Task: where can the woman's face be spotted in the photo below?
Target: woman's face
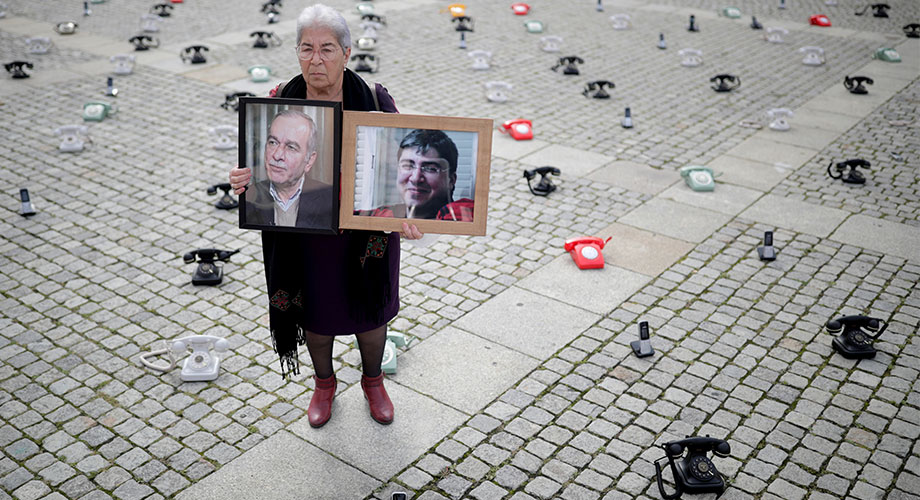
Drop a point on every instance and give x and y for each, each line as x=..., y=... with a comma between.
x=322, y=60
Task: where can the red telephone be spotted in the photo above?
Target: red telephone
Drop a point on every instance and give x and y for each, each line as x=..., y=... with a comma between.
x=520, y=8
x=520, y=129
x=820, y=20
x=586, y=251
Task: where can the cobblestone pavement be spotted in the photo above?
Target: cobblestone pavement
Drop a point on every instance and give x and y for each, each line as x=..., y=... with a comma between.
x=96, y=277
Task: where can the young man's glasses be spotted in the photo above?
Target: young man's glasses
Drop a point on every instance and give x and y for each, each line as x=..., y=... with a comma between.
x=426, y=168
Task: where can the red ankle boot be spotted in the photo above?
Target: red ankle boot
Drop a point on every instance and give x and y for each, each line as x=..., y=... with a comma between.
x=377, y=399
x=321, y=403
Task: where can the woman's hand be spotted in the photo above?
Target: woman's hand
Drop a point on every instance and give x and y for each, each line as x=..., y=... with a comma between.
x=239, y=178
x=411, y=232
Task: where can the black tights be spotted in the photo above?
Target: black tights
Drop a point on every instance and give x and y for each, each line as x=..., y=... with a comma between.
x=370, y=343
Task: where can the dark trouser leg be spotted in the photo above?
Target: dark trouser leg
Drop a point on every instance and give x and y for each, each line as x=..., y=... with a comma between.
x=320, y=347
x=371, y=344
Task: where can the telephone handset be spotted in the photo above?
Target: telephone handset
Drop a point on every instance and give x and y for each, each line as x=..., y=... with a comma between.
x=464, y=23
x=208, y=273
x=698, y=178
x=231, y=101
x=597, y=87
x=497, y=91
x=144, y=42
x=194, y=54
x=26, y=208
x=520, y=8
x=854, y=335
x=374, y=18
x=39, y=44
x=571, y=64
x=97, y=111
x=586, y=251
x=264, y=39
x=820, y=20
x=846, y=171
x=364, y=61
x=695, y=472
x=17, y=69
x=519, y=129
x=226, y=202
x=457, y=9
x=72, y=137
x=730, y=12
x=201, y=365
x=912, y=30
x=879, y=10
x=690, y=57
x=260, y=73
x=725, y=82
x=620, y=21
x=814, y=56
x=550, y=43
x=225, y=136
x=778, y=118
x=545, y=186
x=162, y=9
x=775, y=34
x=855, y=84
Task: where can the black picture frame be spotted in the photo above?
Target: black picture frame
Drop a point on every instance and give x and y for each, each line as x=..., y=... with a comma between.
x=318, y=204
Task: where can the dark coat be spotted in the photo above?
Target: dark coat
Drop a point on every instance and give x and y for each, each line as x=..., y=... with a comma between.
x=315, y=205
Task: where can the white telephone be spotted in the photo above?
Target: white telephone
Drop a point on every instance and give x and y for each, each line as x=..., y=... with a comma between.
x=497, y=91
x=620, y=21
x=480, y=58
x=550, y=43
x=778, y=118
x=260, y=73
x=690, y=57
x=124, y=63
x=225, y=136
x=370, y=29
x=775, y=34
x=72, y=137
x=814, y=56
x=150, y=23
x=201, y=365
x=366, y=43
x=39, y=44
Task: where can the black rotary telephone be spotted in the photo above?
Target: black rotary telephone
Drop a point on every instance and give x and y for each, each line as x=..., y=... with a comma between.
x=144, y=42
x=597, y=87
x=855, y=84
x=854, y=335
x=846, y=170
x=464, y=23
x=571, y=64
x=545, y=186
x=194, y=54
x=912, y=30
x=364, y=60
x=374, y=18
x=265, y=38
x=208, y=273
x=878, y=10
x=162, y=9
x=693, y=472
x=725, y=82
x=232, y=101
x=17, y=69
x=226, y=202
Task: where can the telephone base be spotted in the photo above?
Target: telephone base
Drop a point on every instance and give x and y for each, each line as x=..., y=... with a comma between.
x=226, y=202
x=66, y=147
x=207, y=274
x=642, y=348
x=570, y=71
x=209, y=372
x=852, y=352
x=766, y=253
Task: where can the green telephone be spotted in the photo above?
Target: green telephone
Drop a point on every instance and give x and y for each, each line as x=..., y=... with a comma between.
x=365, y=8
x=731, y=12
x=97, y=111
x=260, y=73
x=394, y=340
x=534, y=26
x=698, y=178
x=887, y=54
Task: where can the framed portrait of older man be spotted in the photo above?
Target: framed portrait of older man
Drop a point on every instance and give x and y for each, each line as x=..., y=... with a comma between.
x=431, y=171
x=293, y=147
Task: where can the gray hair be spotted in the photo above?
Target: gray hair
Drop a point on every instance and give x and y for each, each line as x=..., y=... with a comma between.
x=323, y=16
x=293, y=113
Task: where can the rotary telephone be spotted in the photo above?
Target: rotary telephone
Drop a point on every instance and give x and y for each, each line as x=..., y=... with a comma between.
x=725, y=82
x=226, y=202
x=879, y=10
x=366, y=43
x=208, y=273
x=464, y=23
x=690, y=57
x=72, y=137
x=855, y=84
x=571, y=64
x=519, y=129
x=124, y=64
x=597, y=87
x=778, y=118
x=534, y=26
x=38, y=44
x=231, y=101
x=456, y=9
x=846, y=171
x=912, y=30
x=819, y=20
x=17, y=69
x=370, y=29
x=374, y=18
x=272, y=14
x=545, y=186
x=886, y=54
x=480, y=58
x=225, y=136
x=264, y=39
x=260, y=73
x=497, y=91
x=162, y=9
x=775, y=34
x=201, y=365
x=586, y=251
x=520, y=9
x=95, y=111
x=698, y=178
x=150, y=23
x=814, y=56
x=695, y=472
x=193, y=54
x=854, y=335
x=26, y=209
x=364, y=61
x=144, y=42
x=66, y=28
x=620, y=21
x=550, y=43
x=730, y=12
x=365, y=8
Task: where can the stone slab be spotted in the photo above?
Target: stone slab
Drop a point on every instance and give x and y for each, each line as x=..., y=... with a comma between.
x=572, y=161
x=528, y=322
x=597, y=290
x=218, y=74
x=808, y=118
x=283, y=466
x=381, y=450
x=641, y=251
x=677, y=220
x=634, y=176
x=462, y=370
x=503, y=146
x=795, y=215
x=848, y=105
x=728, y=199
x=890, y=238
x=804, y=136
x=749, y=173
x=764, y=150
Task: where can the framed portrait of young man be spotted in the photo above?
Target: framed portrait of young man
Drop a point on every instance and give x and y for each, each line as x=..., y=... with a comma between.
x=293, y=147
x=431, y=171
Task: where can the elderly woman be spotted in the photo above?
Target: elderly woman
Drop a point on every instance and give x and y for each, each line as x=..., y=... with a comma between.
x=320, y=286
